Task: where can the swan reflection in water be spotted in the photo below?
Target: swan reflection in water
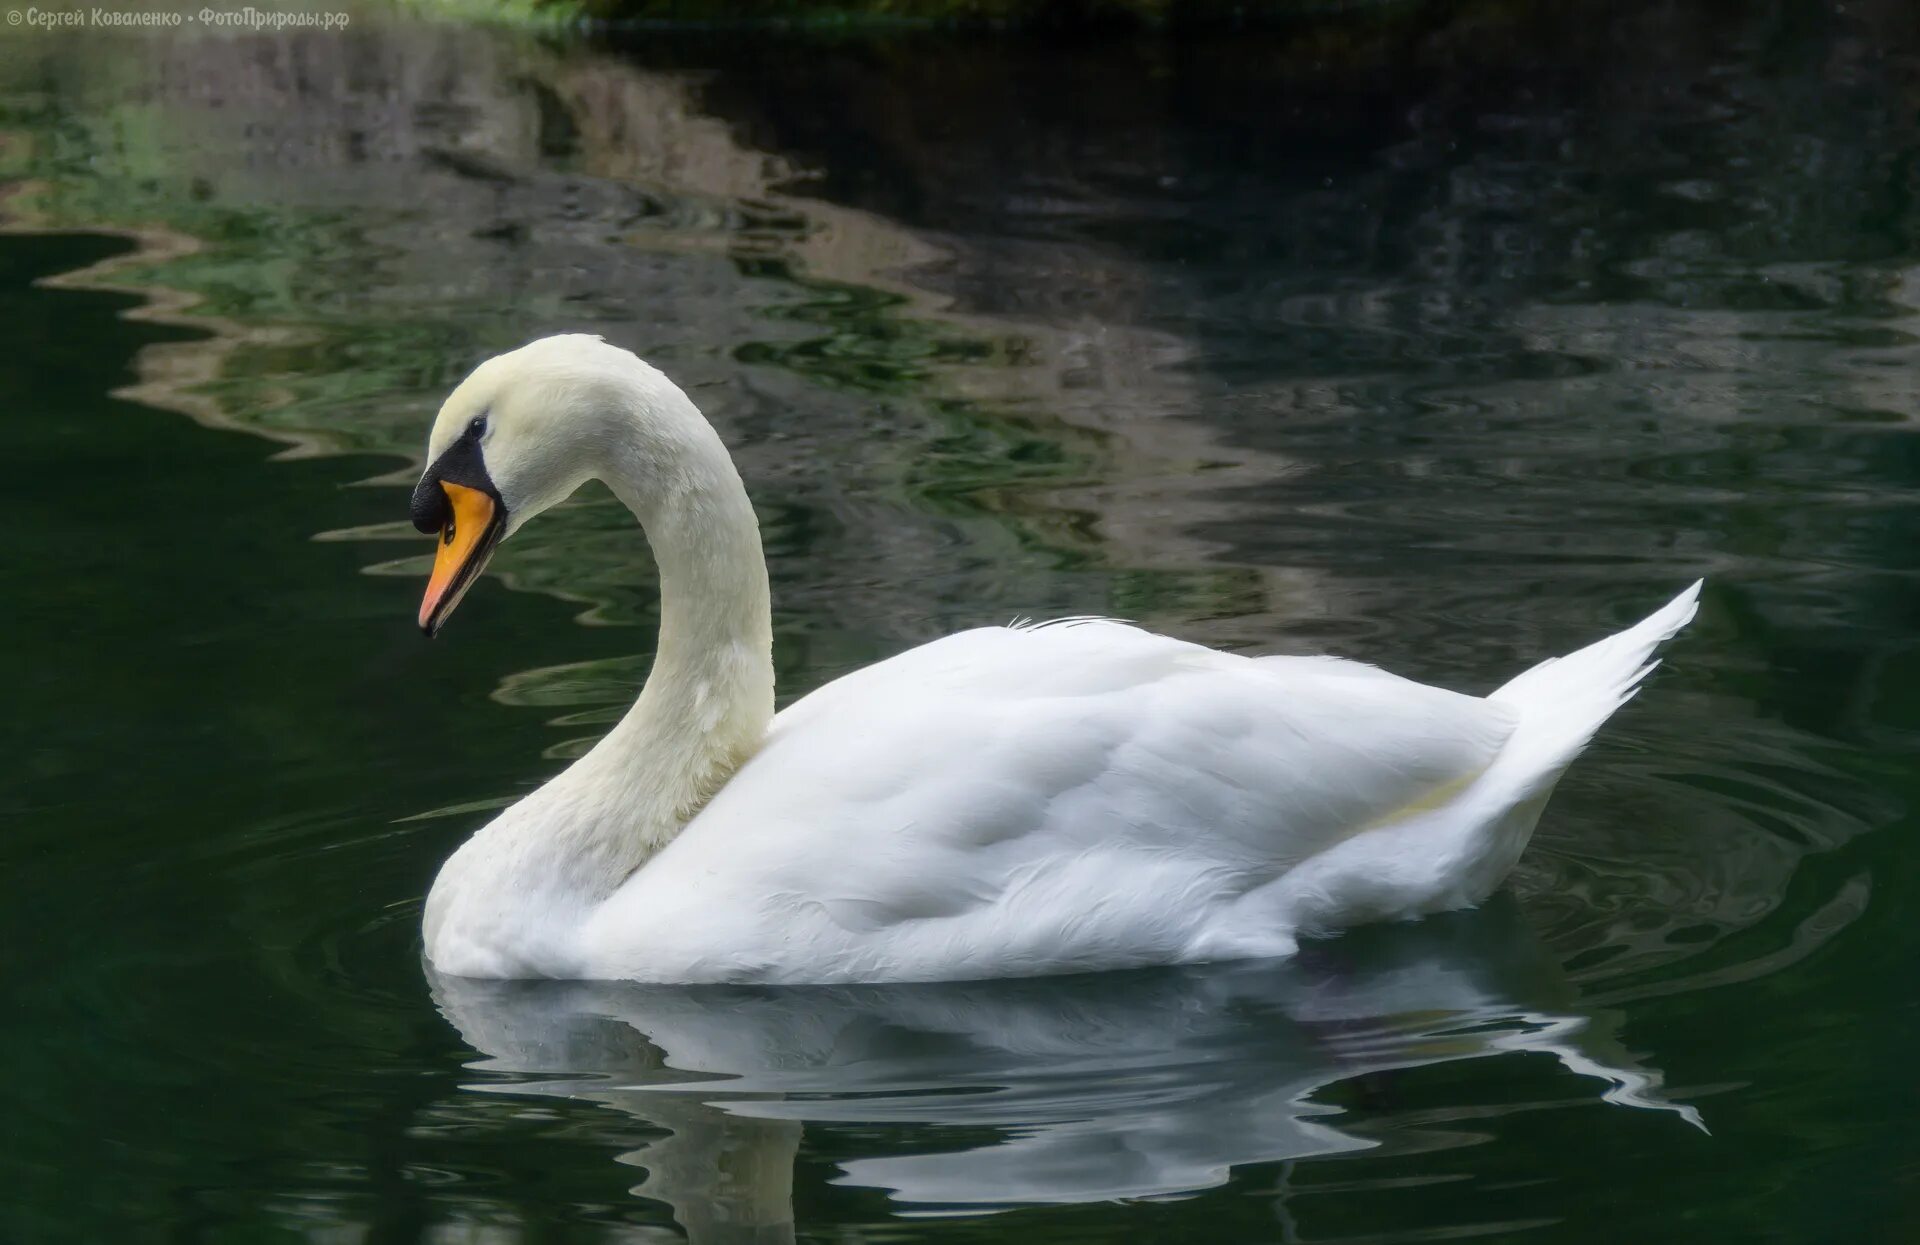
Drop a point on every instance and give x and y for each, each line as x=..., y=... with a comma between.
x=1134, y=1084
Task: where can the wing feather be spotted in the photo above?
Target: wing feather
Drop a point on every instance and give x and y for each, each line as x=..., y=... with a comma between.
x=1049, y=791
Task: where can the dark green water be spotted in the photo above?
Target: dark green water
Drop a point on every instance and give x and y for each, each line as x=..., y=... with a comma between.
x=1446, y=339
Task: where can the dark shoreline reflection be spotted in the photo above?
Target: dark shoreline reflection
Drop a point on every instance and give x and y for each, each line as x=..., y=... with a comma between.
x=1081, y=1089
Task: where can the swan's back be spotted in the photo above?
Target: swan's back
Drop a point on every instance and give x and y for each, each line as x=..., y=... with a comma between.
x=1037, y=799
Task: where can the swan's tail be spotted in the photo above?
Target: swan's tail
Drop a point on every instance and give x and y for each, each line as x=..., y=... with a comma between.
x=1563, y=700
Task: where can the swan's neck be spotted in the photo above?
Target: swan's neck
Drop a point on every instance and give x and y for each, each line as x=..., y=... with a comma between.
x=709, y=698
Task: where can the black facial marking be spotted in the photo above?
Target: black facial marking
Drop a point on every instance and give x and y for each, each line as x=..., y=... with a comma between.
x=431, y=510
x=461, y=464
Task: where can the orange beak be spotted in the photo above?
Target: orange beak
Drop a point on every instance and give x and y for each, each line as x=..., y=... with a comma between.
x=473, y=527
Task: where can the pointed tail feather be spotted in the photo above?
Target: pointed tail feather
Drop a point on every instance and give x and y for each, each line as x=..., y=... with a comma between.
x=1563, y=700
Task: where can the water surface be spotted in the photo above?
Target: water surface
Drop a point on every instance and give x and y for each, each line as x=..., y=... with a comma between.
x=1446, y=343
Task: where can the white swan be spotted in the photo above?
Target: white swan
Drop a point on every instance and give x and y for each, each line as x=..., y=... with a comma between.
x=1008, y=801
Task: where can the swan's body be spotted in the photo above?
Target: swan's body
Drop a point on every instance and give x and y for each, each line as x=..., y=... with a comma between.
x=1003, y=802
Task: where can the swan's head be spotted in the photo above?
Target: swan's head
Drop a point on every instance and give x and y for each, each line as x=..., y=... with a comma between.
x=519, y=434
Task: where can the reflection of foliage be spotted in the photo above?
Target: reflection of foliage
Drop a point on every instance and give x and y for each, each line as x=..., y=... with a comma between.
x=359, y=310
x=872, y=345
x=970, y=458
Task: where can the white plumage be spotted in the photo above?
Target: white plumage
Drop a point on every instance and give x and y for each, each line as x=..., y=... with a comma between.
x=1006, y=801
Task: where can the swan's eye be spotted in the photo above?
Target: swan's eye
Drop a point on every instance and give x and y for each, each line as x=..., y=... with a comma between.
x=478, y=428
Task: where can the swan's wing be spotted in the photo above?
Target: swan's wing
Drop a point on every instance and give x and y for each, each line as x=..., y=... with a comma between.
x=1030, y=799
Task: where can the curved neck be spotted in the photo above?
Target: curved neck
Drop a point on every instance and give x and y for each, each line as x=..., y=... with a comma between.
x=709, y=697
